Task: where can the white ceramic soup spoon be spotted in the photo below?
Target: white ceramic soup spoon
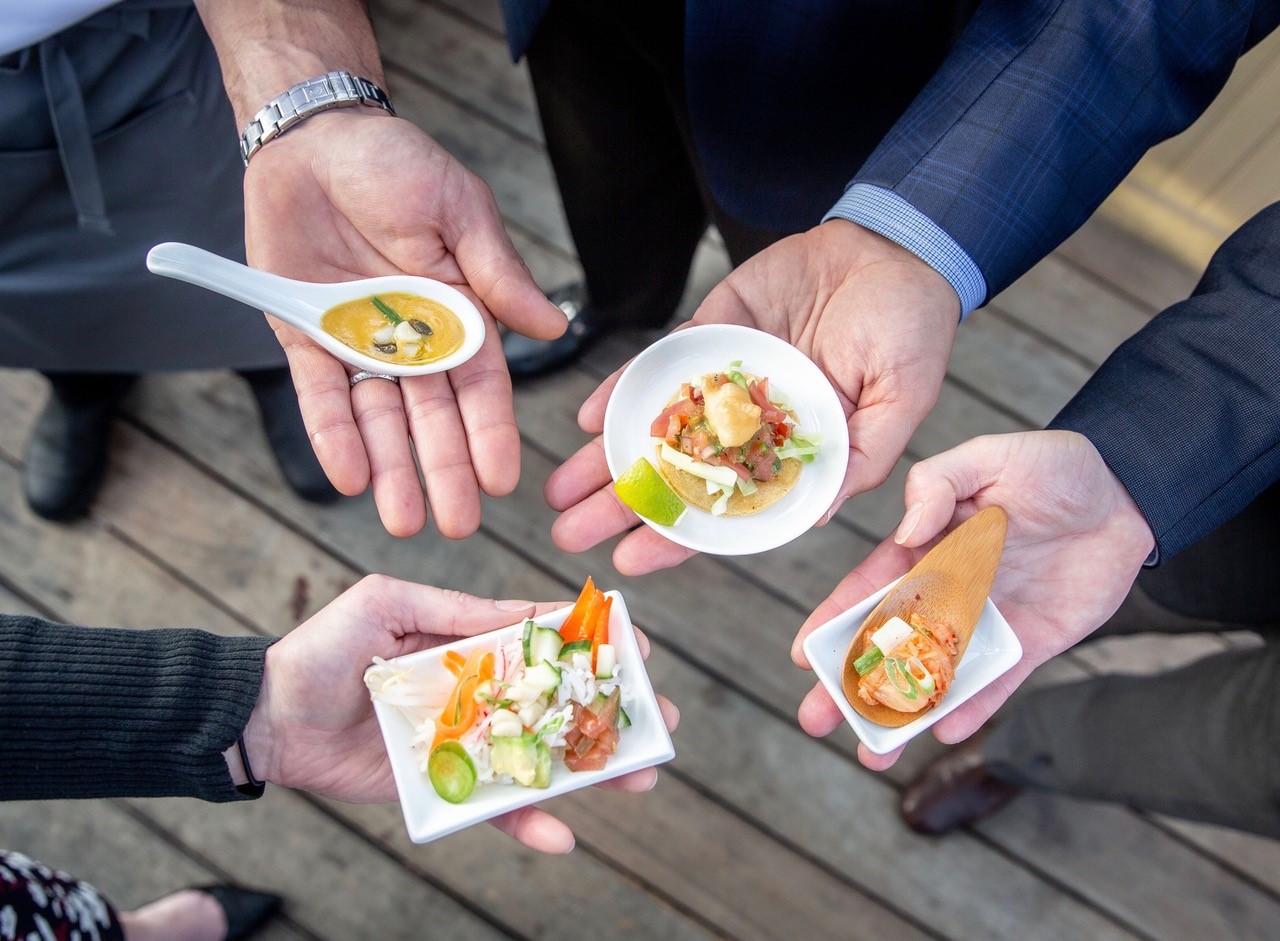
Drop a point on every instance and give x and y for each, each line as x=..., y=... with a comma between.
x=302, y=303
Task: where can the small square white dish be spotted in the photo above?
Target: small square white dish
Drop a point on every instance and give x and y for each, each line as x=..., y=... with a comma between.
x=428, y=817
x=993, y=650
x=653, y=377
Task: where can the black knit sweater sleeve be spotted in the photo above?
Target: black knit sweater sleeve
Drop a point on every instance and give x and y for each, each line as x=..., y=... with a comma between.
x=104, y=712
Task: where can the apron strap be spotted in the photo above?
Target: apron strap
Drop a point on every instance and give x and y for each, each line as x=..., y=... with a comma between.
x=75, y=143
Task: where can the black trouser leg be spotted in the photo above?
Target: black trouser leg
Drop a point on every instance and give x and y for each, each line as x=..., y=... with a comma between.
x=629, y=190
x=1201, y=742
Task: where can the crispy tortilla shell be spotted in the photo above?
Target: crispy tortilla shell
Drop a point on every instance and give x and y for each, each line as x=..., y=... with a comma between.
x=693, y=490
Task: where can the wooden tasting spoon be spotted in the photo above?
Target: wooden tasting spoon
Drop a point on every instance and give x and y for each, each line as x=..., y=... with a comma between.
x=950, y=584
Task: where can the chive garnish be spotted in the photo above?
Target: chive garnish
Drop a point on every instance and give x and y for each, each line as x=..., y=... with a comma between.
x=386, y=311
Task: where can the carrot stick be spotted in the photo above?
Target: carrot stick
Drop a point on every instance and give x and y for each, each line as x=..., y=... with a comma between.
x=600, y=634
x=572, y=627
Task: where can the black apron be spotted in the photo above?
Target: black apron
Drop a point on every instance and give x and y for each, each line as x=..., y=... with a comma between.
x=116, y=134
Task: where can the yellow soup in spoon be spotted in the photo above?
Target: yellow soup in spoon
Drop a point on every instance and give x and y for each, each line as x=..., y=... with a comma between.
x=396, y=328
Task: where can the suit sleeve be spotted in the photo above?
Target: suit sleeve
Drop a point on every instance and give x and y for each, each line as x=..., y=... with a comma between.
x=103, y=712
x=1187, y=411
x=1037, y=115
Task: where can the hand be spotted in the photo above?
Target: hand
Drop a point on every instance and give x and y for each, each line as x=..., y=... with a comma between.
x=1076, y=543
x=356, y=193
x=314, y=728
x=877, y=320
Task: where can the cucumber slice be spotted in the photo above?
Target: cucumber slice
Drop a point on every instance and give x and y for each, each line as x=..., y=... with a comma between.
x=624, y=720
x=544, y=677
x=574, y=646
x=527, y=642
x=606, y=662
x=451, y=772
x=543, y=646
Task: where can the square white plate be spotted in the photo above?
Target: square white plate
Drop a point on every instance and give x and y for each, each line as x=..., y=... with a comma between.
x=428, y=817
x=655, y=376
x=993, y=650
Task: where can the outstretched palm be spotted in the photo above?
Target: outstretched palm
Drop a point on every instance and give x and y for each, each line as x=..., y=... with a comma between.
x=357, y=194
x=1076, y=543
x=878, y=322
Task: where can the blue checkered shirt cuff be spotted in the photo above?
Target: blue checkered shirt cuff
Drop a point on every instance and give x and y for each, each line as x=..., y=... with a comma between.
x=884, y=211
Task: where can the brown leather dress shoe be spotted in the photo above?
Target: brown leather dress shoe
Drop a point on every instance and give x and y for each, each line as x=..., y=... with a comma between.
x=955, y=790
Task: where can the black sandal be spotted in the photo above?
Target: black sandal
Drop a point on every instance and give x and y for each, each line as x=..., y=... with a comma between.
x=246, y=909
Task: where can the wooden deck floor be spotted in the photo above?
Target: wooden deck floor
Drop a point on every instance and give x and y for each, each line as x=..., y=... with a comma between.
x=755, y=831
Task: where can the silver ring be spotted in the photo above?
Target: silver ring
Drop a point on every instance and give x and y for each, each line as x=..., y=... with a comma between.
x=364, y=374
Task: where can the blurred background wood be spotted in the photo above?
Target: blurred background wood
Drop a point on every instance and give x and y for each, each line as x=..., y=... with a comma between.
x=1193, y=191
x=755, y=831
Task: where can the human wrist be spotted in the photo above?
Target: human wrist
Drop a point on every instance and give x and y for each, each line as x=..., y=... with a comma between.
x=265, y=48
x=1128, y=528
x=883, y=211
x=928, y=296
x=257, y=739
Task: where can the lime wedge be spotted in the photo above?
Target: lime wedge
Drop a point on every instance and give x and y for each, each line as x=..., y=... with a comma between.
x=642, y=488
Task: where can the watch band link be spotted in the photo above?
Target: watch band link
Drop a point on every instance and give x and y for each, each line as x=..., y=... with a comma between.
x=331, y=90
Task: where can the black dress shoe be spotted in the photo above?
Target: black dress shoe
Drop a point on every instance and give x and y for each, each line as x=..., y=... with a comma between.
x=282, y=421
x=527, y=358
x=66, y=456
x=955, y=790
x=246, y=910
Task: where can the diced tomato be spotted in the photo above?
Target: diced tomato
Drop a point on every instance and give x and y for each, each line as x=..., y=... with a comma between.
x=608, y=742
x=760, y=395
x=781, y=432
x=593, y=760
x=583, y=746
x=594, y=724
x=676, y=415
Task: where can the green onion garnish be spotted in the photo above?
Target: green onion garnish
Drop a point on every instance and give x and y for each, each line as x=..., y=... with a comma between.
x=386, y=311
x=901, y=679
x=867, y=662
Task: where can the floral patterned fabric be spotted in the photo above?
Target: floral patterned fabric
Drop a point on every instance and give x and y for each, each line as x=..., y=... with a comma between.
x=41, y=904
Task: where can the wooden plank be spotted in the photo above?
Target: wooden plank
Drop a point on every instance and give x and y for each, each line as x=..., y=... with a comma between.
x=11, y=603
x=1149, y=277
x=1073, y=309
x=1015, y=368
x=460, y=59
x=102, y=844
x=57, y=564
x=255, y=598
x=339, y=887
x=814, y=569
x=485, y=12
x=532, y=534
x=569, y=897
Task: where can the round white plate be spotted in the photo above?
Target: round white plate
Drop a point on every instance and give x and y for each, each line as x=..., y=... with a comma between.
x=656, y=375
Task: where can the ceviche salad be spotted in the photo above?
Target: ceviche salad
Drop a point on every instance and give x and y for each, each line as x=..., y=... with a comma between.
x=516, y=709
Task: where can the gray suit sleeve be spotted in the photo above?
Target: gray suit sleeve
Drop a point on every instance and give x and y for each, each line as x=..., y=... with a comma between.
x=1187, y=411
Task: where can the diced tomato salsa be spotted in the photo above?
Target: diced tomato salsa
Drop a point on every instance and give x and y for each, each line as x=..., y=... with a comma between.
x=684, y=426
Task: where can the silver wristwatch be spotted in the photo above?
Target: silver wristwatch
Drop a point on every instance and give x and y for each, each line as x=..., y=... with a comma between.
x=332, y=90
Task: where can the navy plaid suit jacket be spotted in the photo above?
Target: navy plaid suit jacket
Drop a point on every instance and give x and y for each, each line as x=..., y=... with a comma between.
x=1039, y=111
